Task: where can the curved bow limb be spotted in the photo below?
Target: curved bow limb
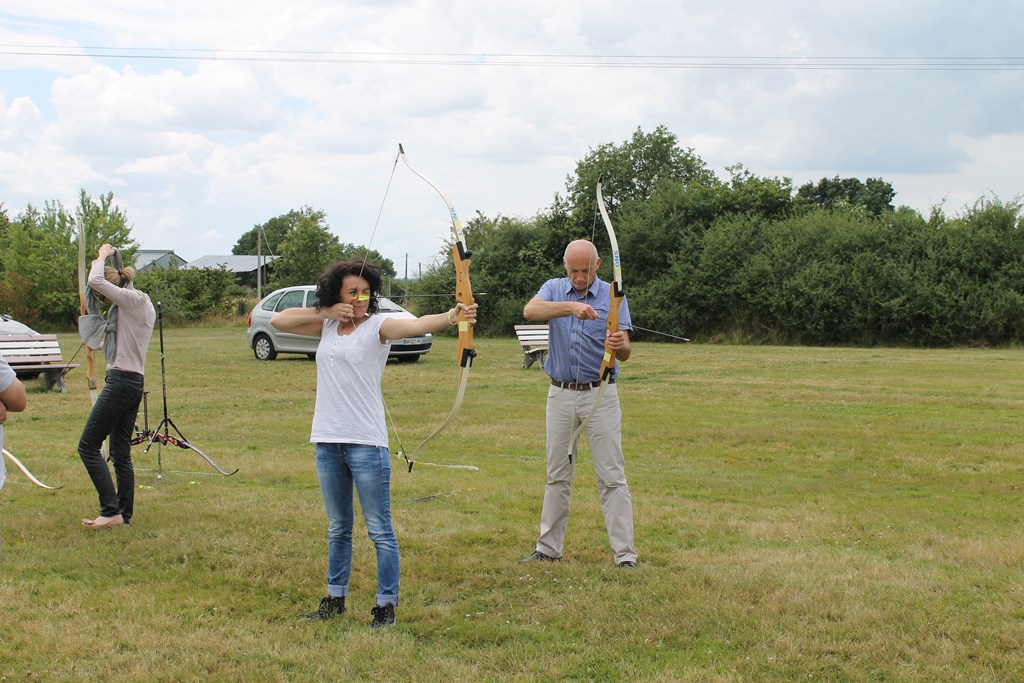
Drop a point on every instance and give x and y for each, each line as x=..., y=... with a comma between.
x=471, y=468
x=616, y=293
x=167, y=439
x=28, y=474
x=90, y=364
x=465, y=350
x=463, y=380
x=204, y=456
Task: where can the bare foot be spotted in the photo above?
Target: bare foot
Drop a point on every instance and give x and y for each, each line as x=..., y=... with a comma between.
x=103, y=522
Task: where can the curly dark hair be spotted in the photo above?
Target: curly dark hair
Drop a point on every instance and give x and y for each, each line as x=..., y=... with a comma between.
x=328, y=289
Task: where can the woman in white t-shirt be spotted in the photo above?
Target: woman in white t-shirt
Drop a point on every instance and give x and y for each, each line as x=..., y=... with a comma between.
x=349, y=428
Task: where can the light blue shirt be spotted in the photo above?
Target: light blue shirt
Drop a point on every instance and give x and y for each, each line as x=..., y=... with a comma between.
x=7, y=378
x=576, y=347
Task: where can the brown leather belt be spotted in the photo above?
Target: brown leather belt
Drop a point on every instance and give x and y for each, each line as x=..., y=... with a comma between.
x=573, y=386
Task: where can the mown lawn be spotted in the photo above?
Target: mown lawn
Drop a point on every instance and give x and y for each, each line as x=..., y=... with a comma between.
x=801, y=514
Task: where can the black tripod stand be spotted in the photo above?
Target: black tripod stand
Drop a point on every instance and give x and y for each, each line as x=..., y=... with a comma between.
x=166, y=438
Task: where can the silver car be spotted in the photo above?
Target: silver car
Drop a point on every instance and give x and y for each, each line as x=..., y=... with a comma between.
x=266, y=341
x=9, y=325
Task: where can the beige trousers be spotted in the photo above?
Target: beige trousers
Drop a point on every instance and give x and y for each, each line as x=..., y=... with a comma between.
x=565, y=410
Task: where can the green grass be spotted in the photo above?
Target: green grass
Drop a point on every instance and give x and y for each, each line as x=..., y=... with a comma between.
x=801, y=514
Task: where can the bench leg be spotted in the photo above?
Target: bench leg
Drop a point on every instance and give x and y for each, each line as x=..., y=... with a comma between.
x=531, y=357
x=54, y=379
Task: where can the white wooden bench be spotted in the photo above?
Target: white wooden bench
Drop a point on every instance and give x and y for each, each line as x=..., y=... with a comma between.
x=32, y=355
x=534, y=340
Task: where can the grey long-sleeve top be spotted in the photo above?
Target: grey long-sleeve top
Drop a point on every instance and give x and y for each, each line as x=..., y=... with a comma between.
x=135, y=319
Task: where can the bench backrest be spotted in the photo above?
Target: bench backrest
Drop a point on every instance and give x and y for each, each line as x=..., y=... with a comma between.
x=532, y=335
x=20, y=349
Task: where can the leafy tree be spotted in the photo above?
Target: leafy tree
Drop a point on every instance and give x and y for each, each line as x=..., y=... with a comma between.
x=191, y=293
x=875, y=195
x=360, y=253
x=747, y=193
x=5, y=228
x=306, y=245
x=42, y=247
x=275, y=230
x=305, y=251
x=14, y=295
x=633, y=170
x=510, y=261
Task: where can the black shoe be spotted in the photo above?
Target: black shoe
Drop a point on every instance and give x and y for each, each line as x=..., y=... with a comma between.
x=329, y=607
x=627, y=564
x=383, y=616
x=538, y=556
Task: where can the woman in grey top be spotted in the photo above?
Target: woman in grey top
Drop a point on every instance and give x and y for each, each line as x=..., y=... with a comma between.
x=115, y=410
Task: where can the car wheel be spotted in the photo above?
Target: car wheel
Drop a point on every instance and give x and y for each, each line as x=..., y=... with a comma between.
x=263, y=348
x=408, y=359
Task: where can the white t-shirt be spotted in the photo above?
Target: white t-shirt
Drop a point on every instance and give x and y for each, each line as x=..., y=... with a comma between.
x=349, y=404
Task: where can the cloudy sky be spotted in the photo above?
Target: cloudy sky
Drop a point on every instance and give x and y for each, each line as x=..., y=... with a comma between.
x=207, y=117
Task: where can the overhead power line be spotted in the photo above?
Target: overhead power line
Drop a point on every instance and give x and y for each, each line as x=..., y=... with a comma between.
x=834, y=63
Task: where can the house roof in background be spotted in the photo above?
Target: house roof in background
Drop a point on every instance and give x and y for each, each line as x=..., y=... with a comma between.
x=242, y=263
x=145, y=257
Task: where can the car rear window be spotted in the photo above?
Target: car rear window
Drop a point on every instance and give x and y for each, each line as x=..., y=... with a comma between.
x=292, y=299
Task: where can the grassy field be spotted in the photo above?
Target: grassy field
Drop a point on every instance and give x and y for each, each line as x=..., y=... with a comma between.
x=801, y=514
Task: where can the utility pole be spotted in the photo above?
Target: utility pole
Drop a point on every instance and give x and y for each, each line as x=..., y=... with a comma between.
x=259, y=266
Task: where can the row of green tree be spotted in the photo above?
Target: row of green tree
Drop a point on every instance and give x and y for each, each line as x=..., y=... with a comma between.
x=752, y=259
x=746, y=258
x=39, y=265
x=304, y=244
x=39, y=261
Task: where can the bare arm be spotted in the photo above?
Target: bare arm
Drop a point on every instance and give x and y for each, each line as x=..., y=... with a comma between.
x=12, y=399
x=394, y=328
x=99, y=284
x=541, y=309
x=309, y=321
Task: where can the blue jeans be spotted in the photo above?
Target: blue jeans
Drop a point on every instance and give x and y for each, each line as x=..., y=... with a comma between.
x=339, y=466
x=114, y=416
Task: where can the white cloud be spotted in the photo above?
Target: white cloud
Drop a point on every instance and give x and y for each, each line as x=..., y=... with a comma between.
x=200, y=147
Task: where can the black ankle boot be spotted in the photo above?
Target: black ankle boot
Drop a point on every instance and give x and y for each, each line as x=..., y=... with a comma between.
x=383, y=616
x=329, y=607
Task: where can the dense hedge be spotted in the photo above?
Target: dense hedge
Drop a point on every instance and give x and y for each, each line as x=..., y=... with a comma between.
x=791, y=274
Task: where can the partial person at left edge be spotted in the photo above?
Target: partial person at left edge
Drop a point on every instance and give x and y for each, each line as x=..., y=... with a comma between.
x=12, y=400
x=129, y=328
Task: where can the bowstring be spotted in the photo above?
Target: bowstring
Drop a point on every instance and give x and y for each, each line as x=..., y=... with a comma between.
x=366, y=256
x=579, y=351
x=380, y=212
x=394, y=428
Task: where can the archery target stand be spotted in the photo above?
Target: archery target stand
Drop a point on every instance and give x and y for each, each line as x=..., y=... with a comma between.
x=167, y=424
